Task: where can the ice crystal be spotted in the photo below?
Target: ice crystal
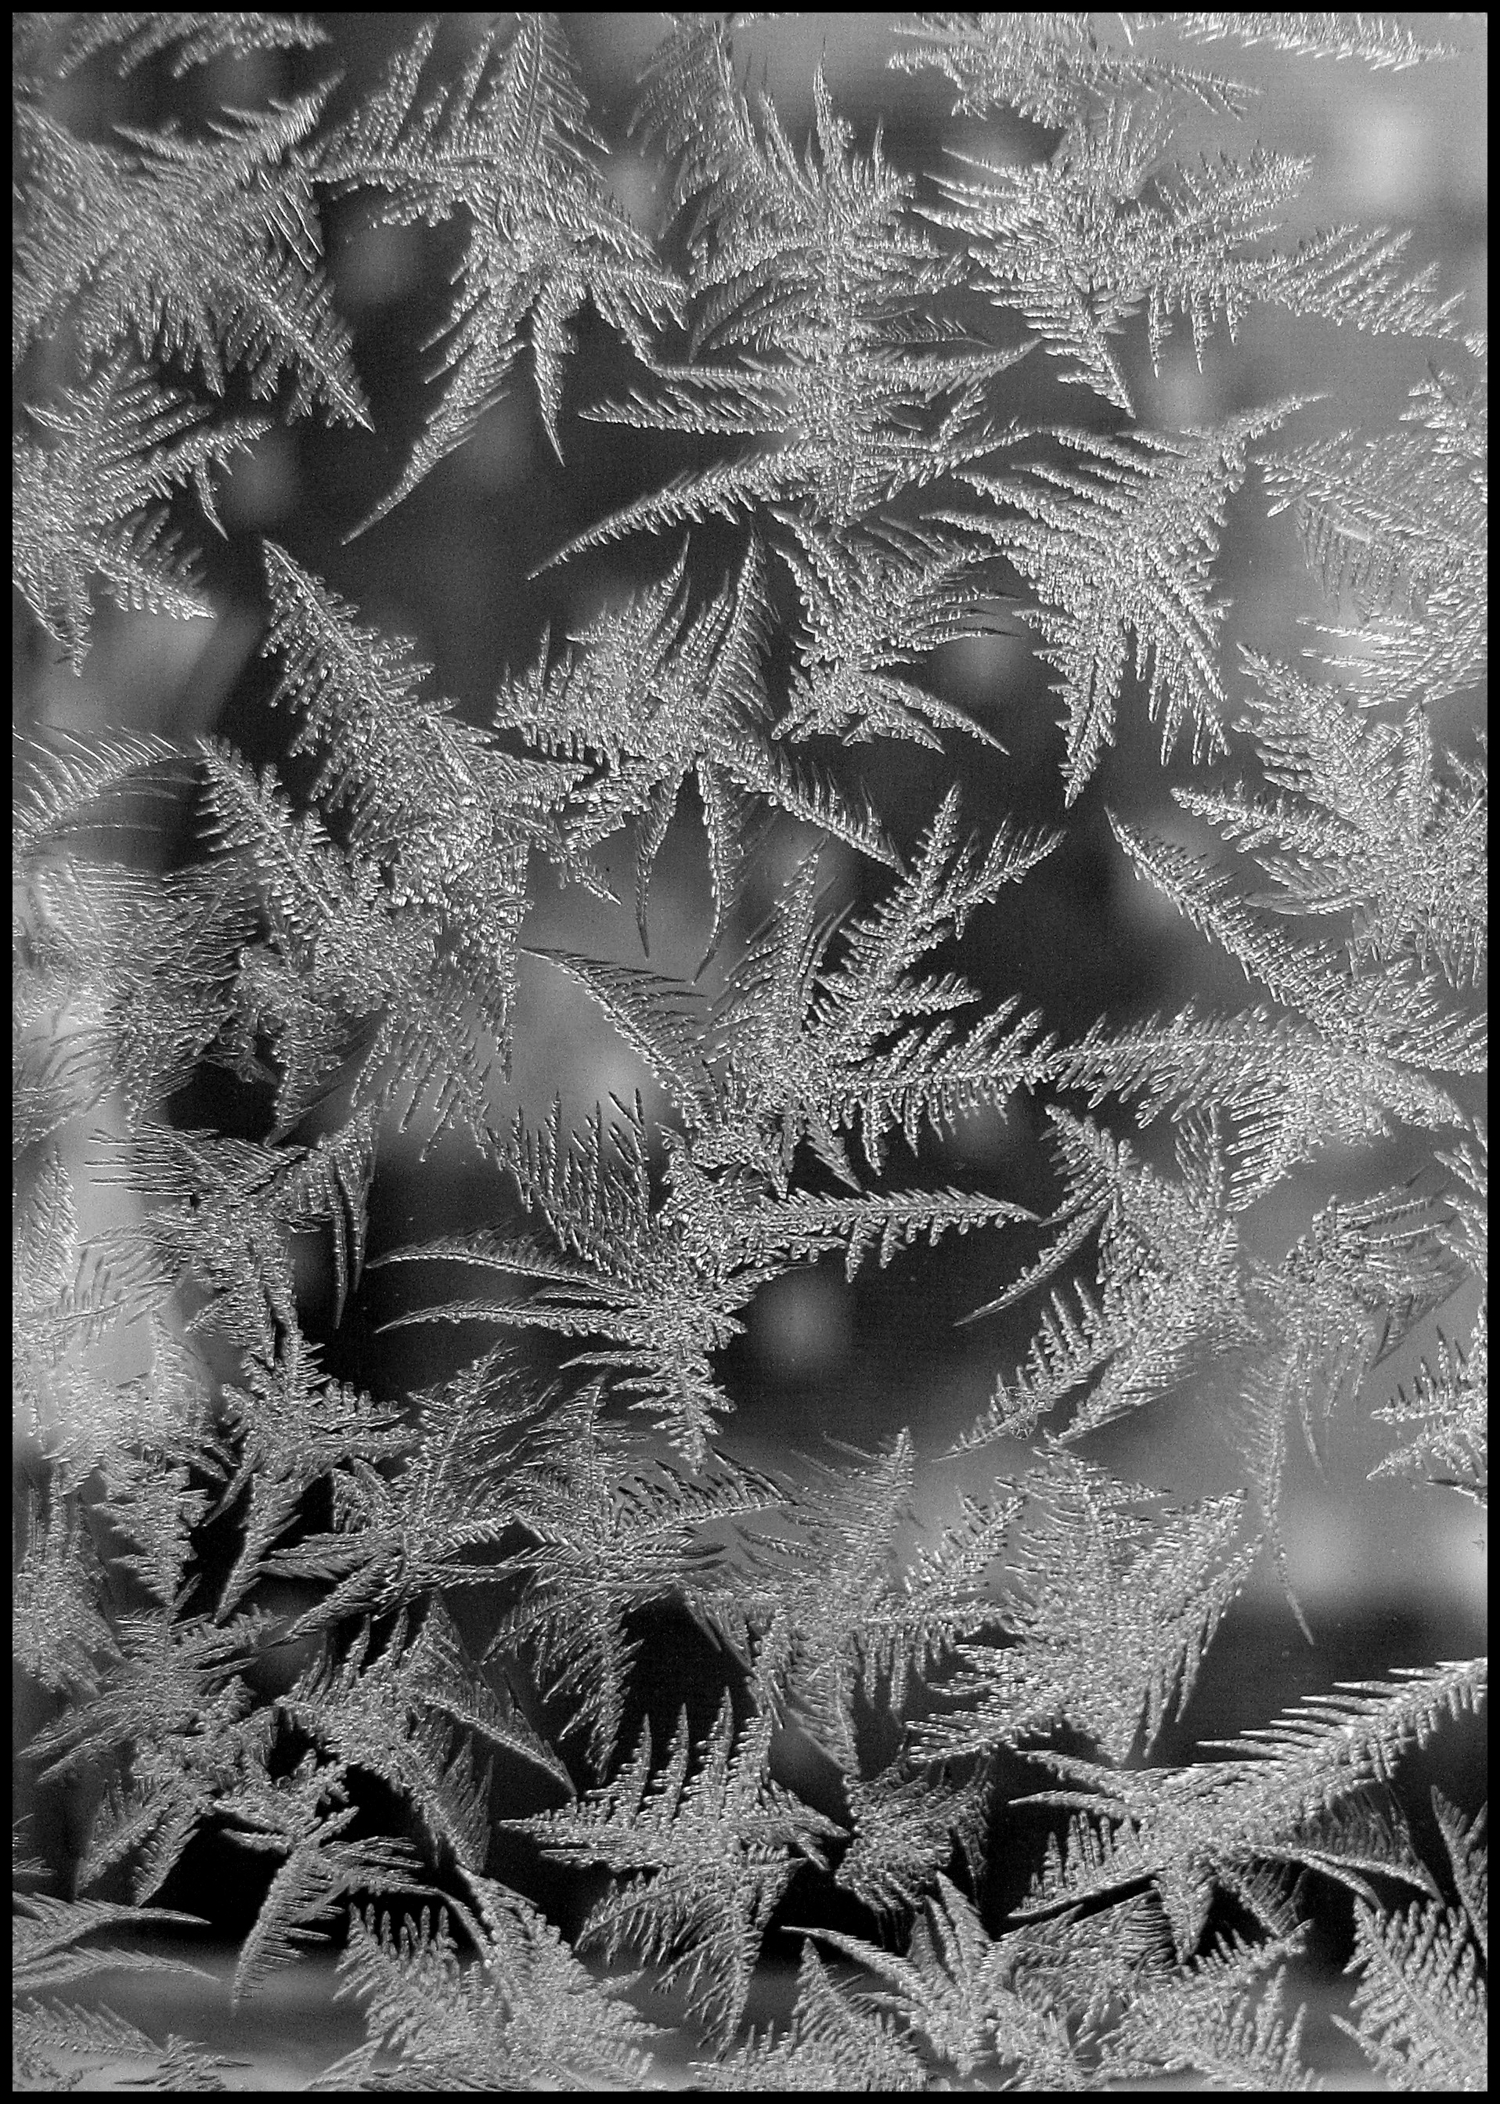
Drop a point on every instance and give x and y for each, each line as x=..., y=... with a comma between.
x=272, y=1593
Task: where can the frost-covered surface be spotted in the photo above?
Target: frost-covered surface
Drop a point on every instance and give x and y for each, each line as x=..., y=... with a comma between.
x=521, y=1672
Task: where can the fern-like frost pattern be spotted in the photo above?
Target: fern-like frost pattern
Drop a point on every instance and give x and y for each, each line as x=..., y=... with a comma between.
x=254, y=1597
